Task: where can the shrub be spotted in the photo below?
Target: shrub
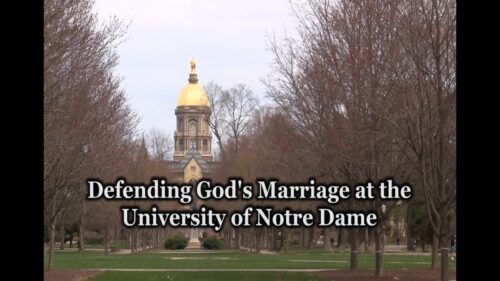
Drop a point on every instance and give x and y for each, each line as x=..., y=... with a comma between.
x=94, y=241
x=176, y=242
x=212, y=243
x=113, y=249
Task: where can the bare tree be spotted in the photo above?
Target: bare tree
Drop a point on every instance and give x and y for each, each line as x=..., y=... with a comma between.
x=427, y=120
x=218, y=119
x=160, y=145
x=348, y=82
x=85, y=112
x=239, y=106
x=232, y=111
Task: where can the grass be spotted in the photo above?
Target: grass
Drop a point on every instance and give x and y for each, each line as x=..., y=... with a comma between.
x=311, y=259
x=204, y=276
x=232, y=260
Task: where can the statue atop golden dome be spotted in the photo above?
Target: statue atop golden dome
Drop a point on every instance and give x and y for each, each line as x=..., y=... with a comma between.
x=193, y=76
x=193, y=94
x=193, y=66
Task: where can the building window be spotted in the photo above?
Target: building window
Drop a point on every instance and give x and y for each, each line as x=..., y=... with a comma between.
x=207, y=126
x=193, y=129
x=180, y=125
x=193, y=169
x=205, y=145
x=181, y=145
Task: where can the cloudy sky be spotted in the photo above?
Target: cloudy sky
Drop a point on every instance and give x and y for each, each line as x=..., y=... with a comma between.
x=227, y=38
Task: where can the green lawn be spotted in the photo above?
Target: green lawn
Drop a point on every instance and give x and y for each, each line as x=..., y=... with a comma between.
x=204, y=276
x=232, y=260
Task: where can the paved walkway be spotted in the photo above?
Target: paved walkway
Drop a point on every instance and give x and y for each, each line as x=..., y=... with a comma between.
x=208, y=269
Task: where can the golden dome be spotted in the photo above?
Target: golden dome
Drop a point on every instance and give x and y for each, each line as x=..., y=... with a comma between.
x=193, y=94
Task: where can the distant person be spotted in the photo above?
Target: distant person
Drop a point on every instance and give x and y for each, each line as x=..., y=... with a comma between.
x=397, y=241
x=453, y=248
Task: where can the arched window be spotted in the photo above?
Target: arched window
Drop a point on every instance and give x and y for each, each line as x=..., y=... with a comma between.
x=180, y=125
x=193, y=128
x=205, y=145
x=181, y=145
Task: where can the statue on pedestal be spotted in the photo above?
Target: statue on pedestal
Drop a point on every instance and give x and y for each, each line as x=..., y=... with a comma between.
x=194, y=240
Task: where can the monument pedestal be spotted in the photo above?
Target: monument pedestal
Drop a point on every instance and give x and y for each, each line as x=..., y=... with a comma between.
x=193, y=244
x=194, y=240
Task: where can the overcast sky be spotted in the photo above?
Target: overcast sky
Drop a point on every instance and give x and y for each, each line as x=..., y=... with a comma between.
x=227, y=38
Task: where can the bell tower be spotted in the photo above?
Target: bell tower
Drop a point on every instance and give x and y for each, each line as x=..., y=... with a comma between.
x=193, y=117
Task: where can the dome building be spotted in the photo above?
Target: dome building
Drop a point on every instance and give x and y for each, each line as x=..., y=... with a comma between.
x=193, y=115
x=193, y=157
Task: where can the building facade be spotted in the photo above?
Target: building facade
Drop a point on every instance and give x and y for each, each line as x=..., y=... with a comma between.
x=193, y=156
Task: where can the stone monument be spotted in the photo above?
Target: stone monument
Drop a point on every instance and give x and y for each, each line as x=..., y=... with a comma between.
x=194, y=238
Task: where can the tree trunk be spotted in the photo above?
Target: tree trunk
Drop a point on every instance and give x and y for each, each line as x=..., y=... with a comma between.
x=51, y=244
x=270, y=243
x=63, y=232
x=156, y=238
x=81, y=245
x=444, y=260
x=153, y=239
x=366, y=240
x=326, y=239
x=444, y=264
x=341, y=238
x=136, y=241
x=310, y=242
x=130, y=241
x=105, y=238
x=236, y=238
x=303, y=238
x=284, y=239
x=52, y=236
x=276, y=245
x=435, y=245
x=257, y=241
x=409, y=239
x=354, y=248
x=133, y=247
x=241, y=236
x=379, y=251
x=81, y=234
x=265, y=239
x=117, y=234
